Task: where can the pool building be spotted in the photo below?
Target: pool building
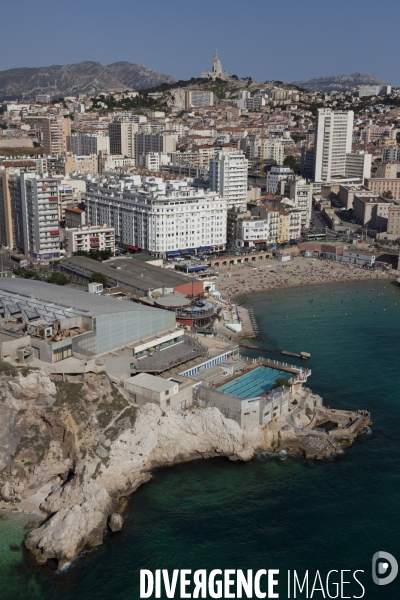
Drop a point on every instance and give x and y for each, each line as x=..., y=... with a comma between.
x=249, y=395
x=254, y=383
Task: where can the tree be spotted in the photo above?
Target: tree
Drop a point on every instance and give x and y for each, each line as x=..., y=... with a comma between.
x=98, y=255
x=98, y=278
x=388, y=195
x=281, y=382
x=58, y=279
x=290, y=161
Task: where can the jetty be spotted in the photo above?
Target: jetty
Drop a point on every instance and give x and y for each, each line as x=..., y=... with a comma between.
x=303, y=355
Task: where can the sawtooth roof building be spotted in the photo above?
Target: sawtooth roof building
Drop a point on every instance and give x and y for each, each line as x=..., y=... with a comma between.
x=63, y=322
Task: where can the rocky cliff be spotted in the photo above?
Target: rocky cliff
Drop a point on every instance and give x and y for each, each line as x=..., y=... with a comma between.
x=82, y=447
x=85, y=77
x=76, y=448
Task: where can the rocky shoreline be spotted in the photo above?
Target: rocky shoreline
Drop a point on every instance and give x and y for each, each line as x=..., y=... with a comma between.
x=79, y=448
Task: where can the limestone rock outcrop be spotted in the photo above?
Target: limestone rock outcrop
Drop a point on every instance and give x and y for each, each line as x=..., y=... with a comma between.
x=80, y=506
x=115, y=522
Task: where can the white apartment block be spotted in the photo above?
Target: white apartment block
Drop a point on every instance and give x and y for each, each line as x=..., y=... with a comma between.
x=195, y=98
x=154, y=161
x=255, y=230
x=44, y=98
x=374, y=90
x=300, y=192
x=254, y=103
x=333, y=141
x=40, y=224
x=275, y=176
x=157, y=215
x=228, y=177
x=88, y=143
x=88, y=238
x=358, y=165
x=243, y=95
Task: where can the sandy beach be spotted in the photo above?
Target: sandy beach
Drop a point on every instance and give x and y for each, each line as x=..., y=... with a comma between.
x=244, y=279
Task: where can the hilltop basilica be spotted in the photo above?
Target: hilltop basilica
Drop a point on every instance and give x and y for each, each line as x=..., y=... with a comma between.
x=217, y=71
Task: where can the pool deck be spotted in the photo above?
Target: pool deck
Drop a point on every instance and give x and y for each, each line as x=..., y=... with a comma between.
x=296, y=373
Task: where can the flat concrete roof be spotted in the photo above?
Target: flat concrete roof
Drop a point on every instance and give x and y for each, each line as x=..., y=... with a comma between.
x=151, y=382
x=172, y=301
x=64, y=297
x=131, y=273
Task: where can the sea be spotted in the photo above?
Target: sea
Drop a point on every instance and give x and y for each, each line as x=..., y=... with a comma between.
x=287, y=514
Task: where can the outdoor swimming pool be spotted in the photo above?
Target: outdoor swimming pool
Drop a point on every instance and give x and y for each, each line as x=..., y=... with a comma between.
x=255, y=383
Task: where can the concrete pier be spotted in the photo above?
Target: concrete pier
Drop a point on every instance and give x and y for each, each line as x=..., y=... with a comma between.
x=247, y=327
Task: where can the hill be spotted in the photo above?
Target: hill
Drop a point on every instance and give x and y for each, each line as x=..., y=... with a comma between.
x=340, y=83
x=84, y=77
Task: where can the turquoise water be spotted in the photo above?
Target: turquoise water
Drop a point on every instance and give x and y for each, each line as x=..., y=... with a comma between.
x=255, y=383
x=291, y=514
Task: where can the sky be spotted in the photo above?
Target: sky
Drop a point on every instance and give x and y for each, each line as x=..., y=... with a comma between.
x=263, y=39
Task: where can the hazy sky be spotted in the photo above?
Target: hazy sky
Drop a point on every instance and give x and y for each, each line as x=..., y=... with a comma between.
x=264, y=39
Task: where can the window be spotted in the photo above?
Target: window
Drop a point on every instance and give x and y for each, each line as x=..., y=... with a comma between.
x=167, y=392
x=62, y=353
x=168, y=401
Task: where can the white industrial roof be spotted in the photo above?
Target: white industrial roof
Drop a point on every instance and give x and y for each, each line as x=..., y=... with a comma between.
x=151, y=382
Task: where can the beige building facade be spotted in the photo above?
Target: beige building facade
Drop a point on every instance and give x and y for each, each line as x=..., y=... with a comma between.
x=380, y=186
x=393, y=226
x=88, y=238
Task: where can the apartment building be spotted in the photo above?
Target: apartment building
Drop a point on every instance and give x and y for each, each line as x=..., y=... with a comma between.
x=39, y=203
x=299, y=191
x=243, y=95
x=346, y=194
x=71, y=162
x=75, y=217
x=88, y=143
x=156, y=215
x=154, y=161
x=372, y=210
x=10, y=208
x=392, y=153
x=373, y=90
x=88, y=238
x=373, y=133
x=55, y=130
x=358, y=165
x=122, y=137
x=277, y=174
x=382, y=186
x=195, y=98
x=393, y=224
x=158, y=143
x=284, y=222
x=273, y=148
x=43, y=98
x=387, y=170
x=254, y=103
x=228, y=177
x=253, y=230
x=333, y=141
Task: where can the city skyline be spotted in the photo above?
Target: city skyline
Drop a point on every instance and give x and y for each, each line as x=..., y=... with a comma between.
x=287, y=52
